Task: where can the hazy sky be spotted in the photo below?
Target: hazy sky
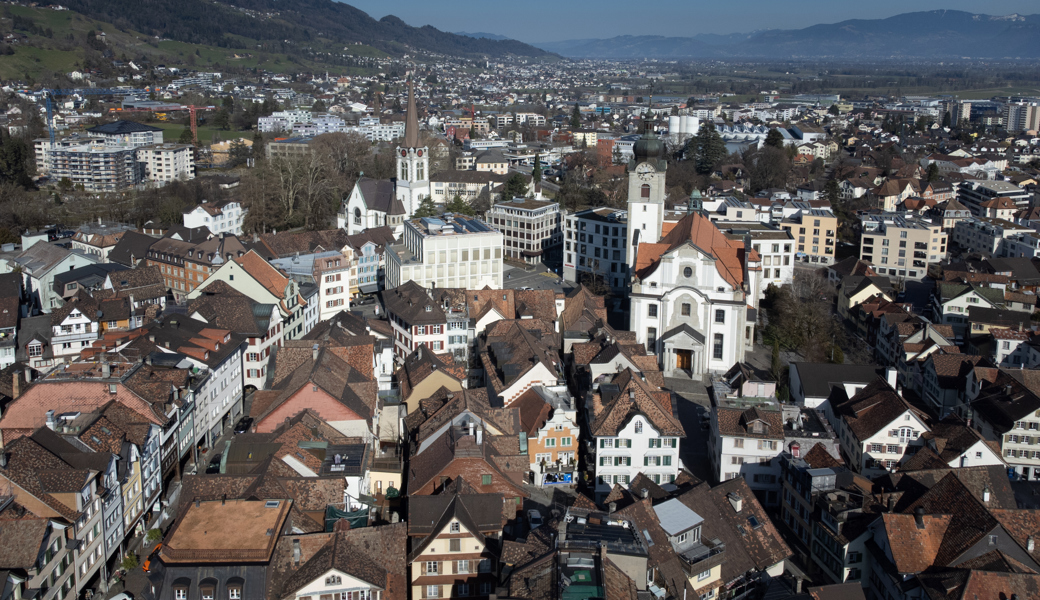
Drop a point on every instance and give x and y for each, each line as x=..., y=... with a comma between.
x=553, y=20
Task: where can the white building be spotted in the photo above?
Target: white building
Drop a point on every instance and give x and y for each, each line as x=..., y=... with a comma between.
x=450, y=251
x=633, y=434
x=164, y=163
x=372, y=203
x=692, y=288
x=986, y=235
x=876, y=428
x=595, y=242
x=219, y=217
x=413, y=162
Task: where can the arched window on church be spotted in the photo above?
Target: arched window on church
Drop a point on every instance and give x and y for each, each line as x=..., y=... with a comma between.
x=404, y=171
x=357, y=216
x=644, y=192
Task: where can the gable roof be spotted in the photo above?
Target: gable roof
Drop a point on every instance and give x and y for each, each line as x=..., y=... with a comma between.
x=636, y=397
x=873, y=409
x=698, y=230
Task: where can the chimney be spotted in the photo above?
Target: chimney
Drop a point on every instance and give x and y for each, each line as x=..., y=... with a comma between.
x=611, y=507
x=736, y=501
x=314, y=352
x=16, y=385
x=891, y=503
x=223, y=500
x=480, y=436
x=985, y=494
x=295, y=547
x=106, y=369
x=52, y=423
x=645, y=493
x=28, y=375
x=1030, y=545
x=632, y=395
x=891, y=376
x=919, y=517
x=197, y=502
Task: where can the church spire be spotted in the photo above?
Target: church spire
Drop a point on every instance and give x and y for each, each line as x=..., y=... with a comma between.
x=411, y=120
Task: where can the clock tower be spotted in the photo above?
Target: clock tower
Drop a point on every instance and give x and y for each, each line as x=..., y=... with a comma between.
x=413, y=161
x=646, y=186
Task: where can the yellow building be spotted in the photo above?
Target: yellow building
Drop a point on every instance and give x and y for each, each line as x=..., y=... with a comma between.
x=815, y=232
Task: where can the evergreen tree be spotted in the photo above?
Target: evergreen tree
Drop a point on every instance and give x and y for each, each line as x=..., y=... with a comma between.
x=711, y=150
x=576, y=118
x=426, y=208
x=946, y=119
x=514, y=187
x=832, y=191
x=185, y=137
x=536, y=171
x=774, y=138
x=459, y=206
x=774, y=363
x=933, y=172
x=318, y=106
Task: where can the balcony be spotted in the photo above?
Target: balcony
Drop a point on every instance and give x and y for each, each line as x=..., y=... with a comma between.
x=703, y=556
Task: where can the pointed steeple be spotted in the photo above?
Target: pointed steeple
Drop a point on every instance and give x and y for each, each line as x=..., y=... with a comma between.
x=411, y=120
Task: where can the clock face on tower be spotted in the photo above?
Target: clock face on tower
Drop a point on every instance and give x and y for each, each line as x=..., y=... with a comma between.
x=645, y=171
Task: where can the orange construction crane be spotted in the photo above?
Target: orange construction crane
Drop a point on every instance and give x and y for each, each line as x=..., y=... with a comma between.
x=192, y=111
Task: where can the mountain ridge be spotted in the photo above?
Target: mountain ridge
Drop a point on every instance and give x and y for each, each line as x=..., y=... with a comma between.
x=303, y=23
x=936, y=34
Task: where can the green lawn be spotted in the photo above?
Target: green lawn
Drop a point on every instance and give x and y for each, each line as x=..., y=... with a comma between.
x=27, y=59
x=172, y=133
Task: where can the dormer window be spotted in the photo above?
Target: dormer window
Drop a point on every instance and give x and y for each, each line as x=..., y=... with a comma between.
x=429, y=308
x=758, y=427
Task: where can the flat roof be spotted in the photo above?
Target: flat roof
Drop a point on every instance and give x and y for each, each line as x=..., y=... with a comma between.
x=676, y=517
x=226, y=531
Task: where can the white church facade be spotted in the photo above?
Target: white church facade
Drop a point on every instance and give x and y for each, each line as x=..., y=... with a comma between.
x=694, y=290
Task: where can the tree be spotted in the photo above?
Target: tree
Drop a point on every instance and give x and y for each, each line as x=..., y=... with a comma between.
x=946, y=119
x=185, y=137
x=318, y=106
x=711, y=150
x=514, y=187
x=774, y=139
x=769, y=168
x=459, y=206
x=933, y=172
x=228, y=104
x=576, y=117
x=833, y=110
x=536, y=171
x=832, y=191
x=426, y=208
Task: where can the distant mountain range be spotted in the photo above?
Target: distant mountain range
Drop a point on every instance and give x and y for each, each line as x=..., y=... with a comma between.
x=938, y=34
x=300, y=24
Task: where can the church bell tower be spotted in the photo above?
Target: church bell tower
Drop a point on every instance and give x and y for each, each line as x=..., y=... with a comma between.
x=646, y=191
x=413, y=161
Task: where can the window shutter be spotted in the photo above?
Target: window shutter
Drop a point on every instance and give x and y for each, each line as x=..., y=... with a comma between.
x=646, y=461
x=628, y=461
x=423, y=591
x=667, y=461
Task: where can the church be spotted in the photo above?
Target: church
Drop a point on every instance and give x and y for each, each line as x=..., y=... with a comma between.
x=694, y=290
x=374, y=203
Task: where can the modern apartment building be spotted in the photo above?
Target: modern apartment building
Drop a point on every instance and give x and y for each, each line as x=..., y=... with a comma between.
x=815, y=231
x=532, y=230
x=447, y=251
x=901, y=244
x=164, y=163
x=594, y=243
x=96, y=167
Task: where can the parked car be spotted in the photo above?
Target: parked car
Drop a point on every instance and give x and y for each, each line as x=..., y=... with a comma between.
x=243, y=424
